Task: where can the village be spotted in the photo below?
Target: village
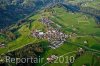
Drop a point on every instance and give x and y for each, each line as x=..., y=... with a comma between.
x=53, y=35
x=56, y=38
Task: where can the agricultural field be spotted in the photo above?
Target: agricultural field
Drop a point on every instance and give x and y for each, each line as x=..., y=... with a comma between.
x=25, y=37
x=81, y=24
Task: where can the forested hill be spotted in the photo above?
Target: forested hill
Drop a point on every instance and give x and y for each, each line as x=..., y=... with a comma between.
x=13, y=10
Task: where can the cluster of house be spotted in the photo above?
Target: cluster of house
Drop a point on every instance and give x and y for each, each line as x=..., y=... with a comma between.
x=52, y=58
x=56, y=44
x=45, y=20
x=55, y=37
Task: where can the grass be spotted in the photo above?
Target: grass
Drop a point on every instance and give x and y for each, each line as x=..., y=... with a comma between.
x=69, y=21
x=91, y=41
x=25, y=37
x=64, y=49
x=85, y=59
x=2, y=38
x=94, y=4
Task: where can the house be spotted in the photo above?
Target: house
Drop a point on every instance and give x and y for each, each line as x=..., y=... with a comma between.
x=2, y=45
x=52, y=58
x=83, y=65
x=85, y=42
x=41, y=33
x=81, y=51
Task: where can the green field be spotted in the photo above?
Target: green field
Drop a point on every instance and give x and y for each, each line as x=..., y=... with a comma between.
x=25, y=37
x=94, y=4
x=70, y=23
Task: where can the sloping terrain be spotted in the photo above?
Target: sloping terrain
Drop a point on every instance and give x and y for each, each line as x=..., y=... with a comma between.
x=82, y=29
x=82, y=25
x=14, y=10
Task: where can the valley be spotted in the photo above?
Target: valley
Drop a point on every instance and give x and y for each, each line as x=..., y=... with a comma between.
x=61, y=30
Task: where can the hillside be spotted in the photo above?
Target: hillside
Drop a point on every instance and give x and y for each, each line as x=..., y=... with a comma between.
x=82, y=29
x=14, y=10
x=82, y=25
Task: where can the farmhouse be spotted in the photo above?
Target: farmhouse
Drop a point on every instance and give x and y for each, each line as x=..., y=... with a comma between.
x=2, y=45
x=51, y=58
